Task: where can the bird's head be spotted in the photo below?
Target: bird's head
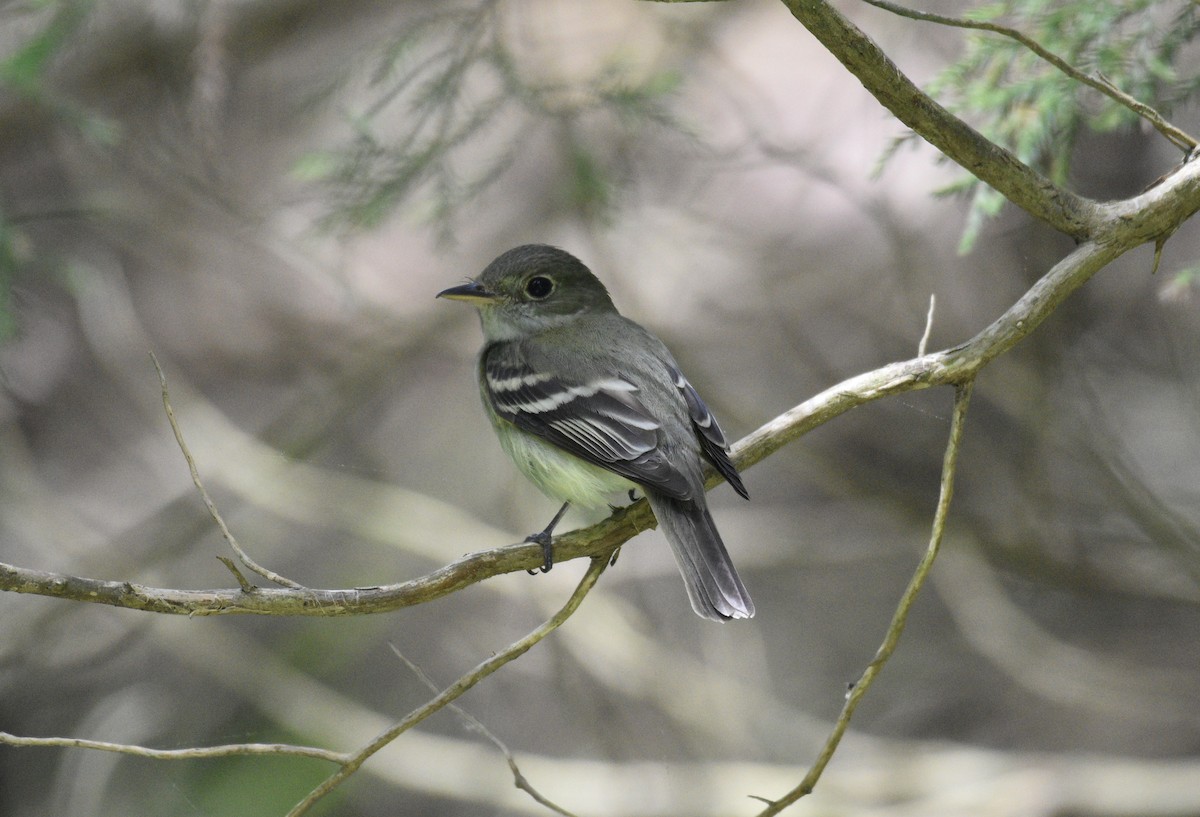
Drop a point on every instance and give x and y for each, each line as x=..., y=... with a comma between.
x=529, y=289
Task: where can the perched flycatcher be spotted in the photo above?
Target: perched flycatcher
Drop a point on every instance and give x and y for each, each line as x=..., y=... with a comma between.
x=588, y=403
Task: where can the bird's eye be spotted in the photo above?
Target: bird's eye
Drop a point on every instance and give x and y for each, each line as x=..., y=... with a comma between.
x=539, y=286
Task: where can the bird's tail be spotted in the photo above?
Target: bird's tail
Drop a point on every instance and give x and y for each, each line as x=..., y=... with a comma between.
x=713, y=586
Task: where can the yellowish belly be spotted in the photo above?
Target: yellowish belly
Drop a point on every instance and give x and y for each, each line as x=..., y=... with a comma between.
x=560, y=475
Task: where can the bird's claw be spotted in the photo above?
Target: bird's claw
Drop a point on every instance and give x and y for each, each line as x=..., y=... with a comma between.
x=545, y=540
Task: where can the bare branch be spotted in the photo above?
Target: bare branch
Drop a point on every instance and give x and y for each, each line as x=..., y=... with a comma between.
x=519, y=779
x=455, y=690
x=208, y=500
x=194, y=753
x=242, y=581
x=923, y=342
x=962, y=401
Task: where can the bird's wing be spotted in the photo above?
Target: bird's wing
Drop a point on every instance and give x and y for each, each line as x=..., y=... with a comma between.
x=712, y=439
x=599, y=420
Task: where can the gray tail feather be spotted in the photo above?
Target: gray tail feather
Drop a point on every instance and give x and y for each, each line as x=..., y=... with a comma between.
x=713, y=586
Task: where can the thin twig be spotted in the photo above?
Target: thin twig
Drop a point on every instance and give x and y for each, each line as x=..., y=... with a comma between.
x=473, y=723
x=242, y=581
x=1177, y=137
x=269, y=575
x=455, y=690
x=855, y=695
x=928, y=326
x=227, y=750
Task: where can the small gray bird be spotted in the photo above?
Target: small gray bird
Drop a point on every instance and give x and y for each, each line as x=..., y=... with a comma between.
x=588, y=403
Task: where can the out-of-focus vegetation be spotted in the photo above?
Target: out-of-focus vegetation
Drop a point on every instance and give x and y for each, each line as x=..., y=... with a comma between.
x=267, y=195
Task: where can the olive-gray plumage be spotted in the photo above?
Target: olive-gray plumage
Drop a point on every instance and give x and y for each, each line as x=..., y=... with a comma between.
x=587, y=402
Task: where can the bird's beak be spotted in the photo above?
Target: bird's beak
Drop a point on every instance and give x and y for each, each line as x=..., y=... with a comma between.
x=472, y=292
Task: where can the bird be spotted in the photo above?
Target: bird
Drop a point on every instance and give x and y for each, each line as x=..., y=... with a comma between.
x=588, y=403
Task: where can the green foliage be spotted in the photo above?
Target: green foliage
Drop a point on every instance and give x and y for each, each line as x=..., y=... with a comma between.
x=47, y=28
x=451, y=108
x=1022, y=102
x=26, y=68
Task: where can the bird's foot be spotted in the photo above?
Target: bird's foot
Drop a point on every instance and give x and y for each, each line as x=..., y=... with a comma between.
x=544, y=539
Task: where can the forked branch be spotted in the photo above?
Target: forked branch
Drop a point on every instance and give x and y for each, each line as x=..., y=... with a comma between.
x=962, y=400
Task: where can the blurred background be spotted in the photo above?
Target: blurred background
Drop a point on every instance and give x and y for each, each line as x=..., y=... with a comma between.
x=267, y=195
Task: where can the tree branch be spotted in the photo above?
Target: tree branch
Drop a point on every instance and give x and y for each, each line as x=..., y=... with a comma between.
x=269, y=575
x=194, y=753
x=962, y=401
x=472, y=722
x=1031, y=191
x=455, y=690
x=1174, y=135
x=351, y=762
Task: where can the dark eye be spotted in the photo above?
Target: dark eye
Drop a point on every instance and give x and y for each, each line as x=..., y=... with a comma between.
x=539, y=286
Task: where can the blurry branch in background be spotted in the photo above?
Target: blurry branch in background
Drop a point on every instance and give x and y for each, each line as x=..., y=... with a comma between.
x=1107, y=685
x=453, y=78
x=8, y=268
x=26, y=70
x=962, y=400
x=367, y=179
x=1118, y=227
